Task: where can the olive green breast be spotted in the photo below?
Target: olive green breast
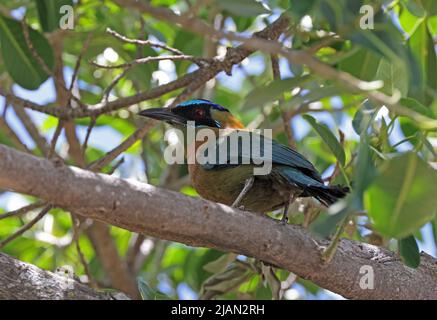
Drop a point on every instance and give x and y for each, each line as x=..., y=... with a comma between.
x=224, y=186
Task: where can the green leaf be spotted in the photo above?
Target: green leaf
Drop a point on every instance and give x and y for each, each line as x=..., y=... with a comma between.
x=163, y=2
x=422, y=48
x=270, y=92
x=301, y=8
x=245, y=8
x=363, y=64
x=363, y=176
x=18, y=59
x=243, y=23
x=409, y=127
x=328, y=137
x=409, y=251
x=416, y=106
x=325, y=224
x=402, y=198
x=432, y=25
x=147, y=293
x=220, y=264
x=316, y=93
x=272, y=280
x=4, y=139
x=363, y=117
x=409, y=22
x=430, y=7
x=393, y=75
x=415, y=7
x=49, y=13
x=190, y=44
x=232, y=277
x=385, y=40
x=365, y=173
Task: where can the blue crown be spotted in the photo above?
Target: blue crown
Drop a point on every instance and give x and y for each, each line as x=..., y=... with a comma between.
x=194, y=102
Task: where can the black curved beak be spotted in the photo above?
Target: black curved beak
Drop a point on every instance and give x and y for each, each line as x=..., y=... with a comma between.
x=163, y=114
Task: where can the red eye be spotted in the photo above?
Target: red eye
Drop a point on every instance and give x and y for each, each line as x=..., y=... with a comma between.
x=199, y=113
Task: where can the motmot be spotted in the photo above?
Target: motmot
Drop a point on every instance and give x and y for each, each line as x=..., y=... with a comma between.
x=234, y=183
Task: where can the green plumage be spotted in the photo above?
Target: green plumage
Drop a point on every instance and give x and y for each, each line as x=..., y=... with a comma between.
x=230, y=167
x=291, y=173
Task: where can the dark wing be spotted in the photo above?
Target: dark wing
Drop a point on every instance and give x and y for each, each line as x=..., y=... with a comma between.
x=236, y=154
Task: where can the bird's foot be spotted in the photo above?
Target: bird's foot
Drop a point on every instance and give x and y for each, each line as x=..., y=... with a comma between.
x=329, y=252
x=247, y=186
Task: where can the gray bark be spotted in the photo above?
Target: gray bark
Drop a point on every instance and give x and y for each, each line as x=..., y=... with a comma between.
x=20, y=280
x=170, y=215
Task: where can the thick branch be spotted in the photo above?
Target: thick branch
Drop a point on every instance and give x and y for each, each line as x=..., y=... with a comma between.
x=20, y=280
x=101, y=239
x=194, y=79
x=169, y=215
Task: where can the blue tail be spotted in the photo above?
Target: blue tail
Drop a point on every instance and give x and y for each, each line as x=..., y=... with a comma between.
x=311, y=187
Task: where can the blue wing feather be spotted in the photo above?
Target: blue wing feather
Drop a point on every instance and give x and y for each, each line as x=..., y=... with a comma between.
x=291, y=167
x=281, y=155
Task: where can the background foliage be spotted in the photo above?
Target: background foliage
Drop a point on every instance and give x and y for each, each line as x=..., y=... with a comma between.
x=389, y=160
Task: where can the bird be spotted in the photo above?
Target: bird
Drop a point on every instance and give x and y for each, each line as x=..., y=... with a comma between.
x=234, y=183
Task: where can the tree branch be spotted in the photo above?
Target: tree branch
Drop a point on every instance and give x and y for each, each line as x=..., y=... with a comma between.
x=194, y=79
x=31, y=129
x=369, y=89
x=172, y=216
x=98, y=233
x=10, y=133
x=20, y=280
x=116, y=268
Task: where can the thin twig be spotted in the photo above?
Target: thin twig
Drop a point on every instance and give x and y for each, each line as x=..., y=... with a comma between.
x=197, y=60
x=88, y=134
x=79, y=60
x=143, y=42
x=32, y=49
x=26, y=227
x=369, y=89
x=5, y=108
x=116, y=166
x=76, y=233
x=21, y=211
x=201, y=76
x=133, y=252
x=44, y=66
x=323, y=42
x=55, y=138
x=112, y=85
x=114, y=153
x=9, y=132
x=31, y=129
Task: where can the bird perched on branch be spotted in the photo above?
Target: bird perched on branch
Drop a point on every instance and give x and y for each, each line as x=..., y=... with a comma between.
x=234, y=182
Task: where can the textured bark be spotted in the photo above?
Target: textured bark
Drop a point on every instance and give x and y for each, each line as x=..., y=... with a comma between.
x=20, y=280
x=169, y=215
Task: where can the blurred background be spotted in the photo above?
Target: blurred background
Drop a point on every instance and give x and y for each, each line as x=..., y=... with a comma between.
x=400, y=50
